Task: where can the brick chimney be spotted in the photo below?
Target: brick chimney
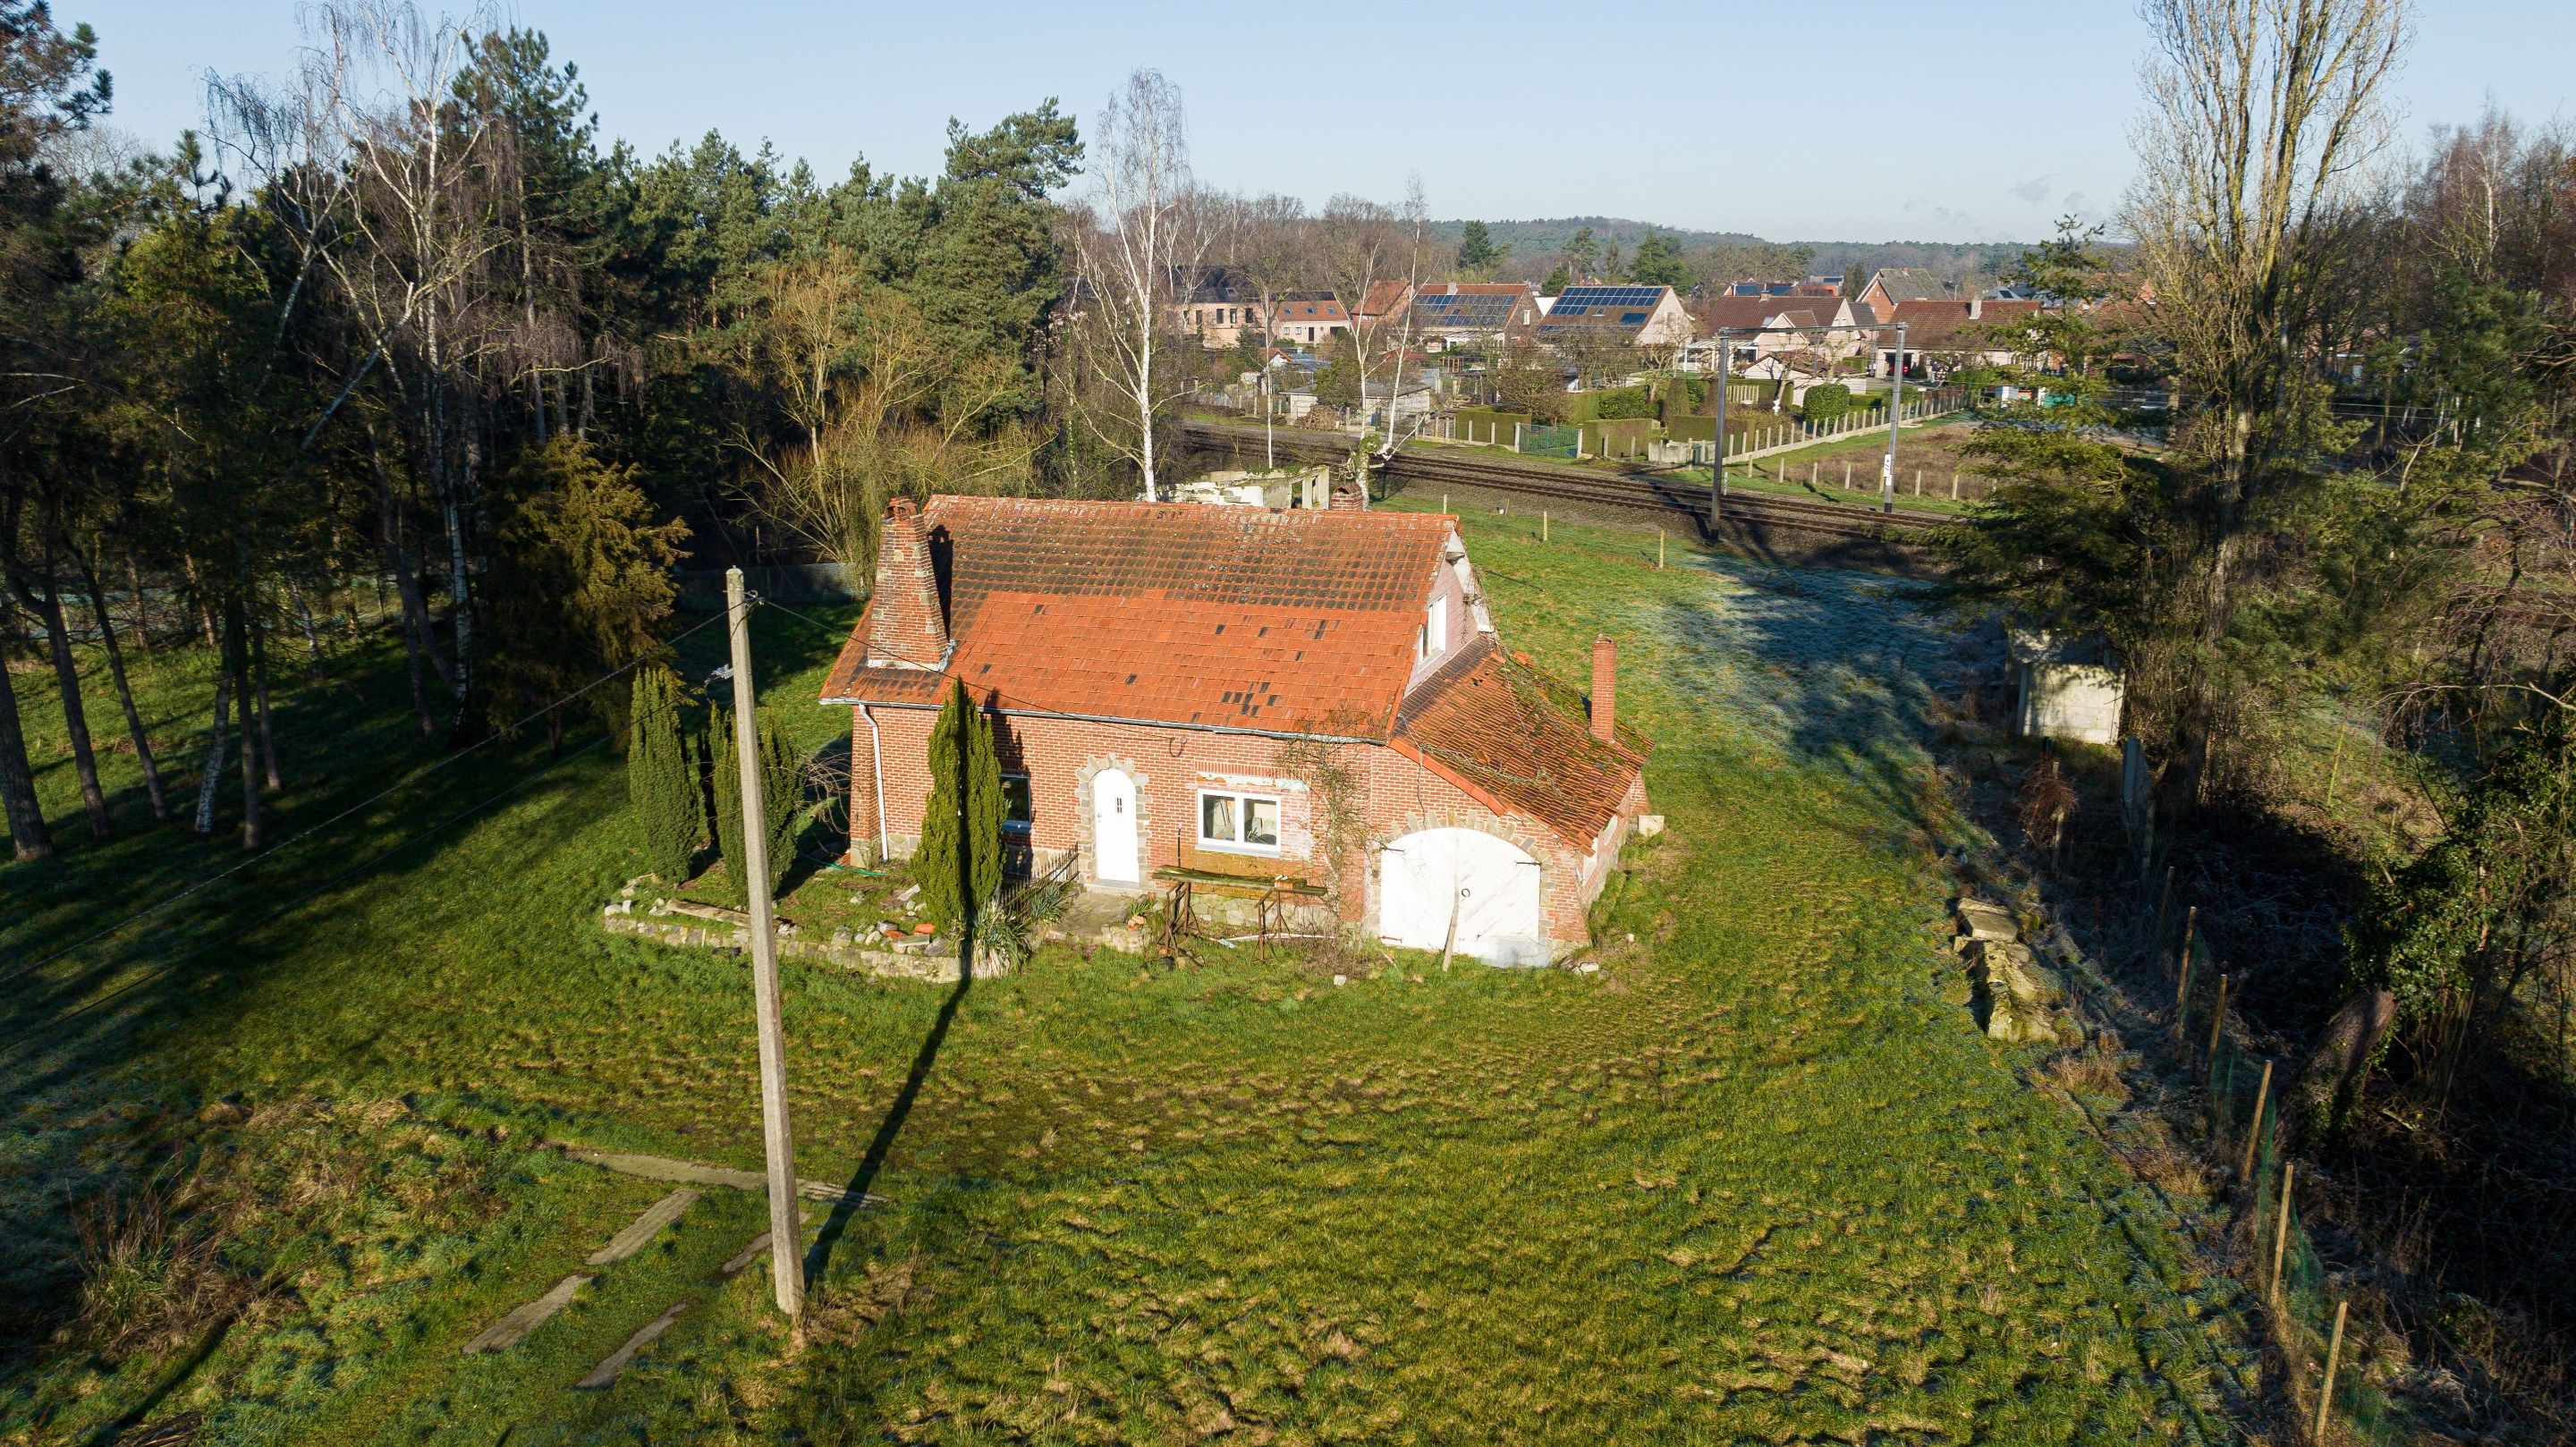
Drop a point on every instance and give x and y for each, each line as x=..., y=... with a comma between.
x=907, y=626
x=1605, y=687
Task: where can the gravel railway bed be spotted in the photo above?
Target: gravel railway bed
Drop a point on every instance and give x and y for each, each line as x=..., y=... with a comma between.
x=1626, y=492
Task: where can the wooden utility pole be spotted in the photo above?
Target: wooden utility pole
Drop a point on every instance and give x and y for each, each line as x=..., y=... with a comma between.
x=1717, y=473
x=1895, y=419
x=786, y=1231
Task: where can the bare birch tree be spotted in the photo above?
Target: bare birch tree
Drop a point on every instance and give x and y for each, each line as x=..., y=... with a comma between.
x=395, y=194
x=1367, y=243
x=1136, y=241
x=1268, y=244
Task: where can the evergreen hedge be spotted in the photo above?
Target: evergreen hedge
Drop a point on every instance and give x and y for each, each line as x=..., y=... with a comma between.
x=959, y=863
x=1825, y=402
x=662, y=776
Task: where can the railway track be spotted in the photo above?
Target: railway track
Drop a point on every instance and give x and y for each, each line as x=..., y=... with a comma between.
x=1643, y=493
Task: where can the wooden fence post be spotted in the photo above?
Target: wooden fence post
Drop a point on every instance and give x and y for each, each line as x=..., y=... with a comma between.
x=2182, y=996
x=2218, y=1017
x=1659, y=550
x=1954, y=485
x=2254, y=1128
x=2281, y=1229
x=1542, y=525
x=2334, y=1359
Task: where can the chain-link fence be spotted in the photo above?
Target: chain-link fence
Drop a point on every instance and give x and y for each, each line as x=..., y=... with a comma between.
x=2242, y=1092
x=1538, y=441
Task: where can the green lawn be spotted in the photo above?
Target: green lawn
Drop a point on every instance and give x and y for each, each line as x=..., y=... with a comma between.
x=1758, y=1179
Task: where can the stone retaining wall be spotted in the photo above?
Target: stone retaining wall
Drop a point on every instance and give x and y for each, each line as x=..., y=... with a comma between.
x=931, y=966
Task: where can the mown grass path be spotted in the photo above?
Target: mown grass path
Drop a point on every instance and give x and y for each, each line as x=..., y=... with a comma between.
x=1757, y=1180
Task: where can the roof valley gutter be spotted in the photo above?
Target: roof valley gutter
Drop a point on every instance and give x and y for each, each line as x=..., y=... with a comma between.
x=1142, y=723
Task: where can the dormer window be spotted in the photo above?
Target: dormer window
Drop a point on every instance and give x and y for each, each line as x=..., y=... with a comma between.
x=1435, y=628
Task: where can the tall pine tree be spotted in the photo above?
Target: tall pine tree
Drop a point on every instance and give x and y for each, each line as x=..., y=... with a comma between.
x=781, y=791
x=662, y=776
x=959, y=863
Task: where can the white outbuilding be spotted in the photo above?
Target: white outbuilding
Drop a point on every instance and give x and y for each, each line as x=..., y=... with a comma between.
x=2065, y=688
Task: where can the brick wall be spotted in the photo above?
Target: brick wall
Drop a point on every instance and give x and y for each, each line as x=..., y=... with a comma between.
x=1397, y=795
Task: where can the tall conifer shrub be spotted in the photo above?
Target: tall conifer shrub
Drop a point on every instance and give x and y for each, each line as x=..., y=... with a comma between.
x=781, y=792
x=959, y=863
x=662, y=776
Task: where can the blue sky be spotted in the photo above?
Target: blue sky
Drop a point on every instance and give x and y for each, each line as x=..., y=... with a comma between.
x=1857, y=121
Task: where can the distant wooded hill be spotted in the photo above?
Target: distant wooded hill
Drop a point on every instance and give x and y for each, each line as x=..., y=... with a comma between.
x=1533, y=242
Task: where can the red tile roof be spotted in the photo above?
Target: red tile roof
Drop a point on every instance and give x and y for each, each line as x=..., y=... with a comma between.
x=1519, y=740
x=1931, y=325
x=1236, y=617
x=1311, y=309
x=1736, y=313
x=1385, y=298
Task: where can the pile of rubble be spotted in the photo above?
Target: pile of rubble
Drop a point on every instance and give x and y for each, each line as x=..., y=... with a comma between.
x=2014, y=991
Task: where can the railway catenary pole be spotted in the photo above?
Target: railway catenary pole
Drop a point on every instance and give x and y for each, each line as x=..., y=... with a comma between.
x=1895, y=416
x=1717, y=473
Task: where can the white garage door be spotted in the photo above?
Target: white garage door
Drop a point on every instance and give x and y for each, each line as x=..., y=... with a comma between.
x=1489, y=885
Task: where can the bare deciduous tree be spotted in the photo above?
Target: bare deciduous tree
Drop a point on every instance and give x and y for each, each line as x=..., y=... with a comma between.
x=883, y=408
x=2260, y=113
x=1269, y=245
x=1136, y=242
x=1365, y=243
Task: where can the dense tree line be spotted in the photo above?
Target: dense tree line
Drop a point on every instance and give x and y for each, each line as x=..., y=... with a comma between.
x=402, y=319
x=2362, y=509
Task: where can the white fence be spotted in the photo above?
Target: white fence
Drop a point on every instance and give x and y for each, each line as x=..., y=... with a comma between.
x=1761, y=440
x=1789, y=435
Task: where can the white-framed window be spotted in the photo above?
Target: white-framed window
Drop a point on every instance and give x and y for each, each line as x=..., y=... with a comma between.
x=1435, y=627
x=1238, y=823
x=1019, y=812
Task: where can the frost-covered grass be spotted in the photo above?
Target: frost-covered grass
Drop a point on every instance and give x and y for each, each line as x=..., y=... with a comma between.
x=1756, y=1180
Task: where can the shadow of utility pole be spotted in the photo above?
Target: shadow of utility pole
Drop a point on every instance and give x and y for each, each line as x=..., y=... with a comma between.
x=820, y=1253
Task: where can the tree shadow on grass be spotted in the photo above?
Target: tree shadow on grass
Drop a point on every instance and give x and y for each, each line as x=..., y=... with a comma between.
x=855, y=1195
x=97, y=1065
x=338, y=742
x=1836, y=670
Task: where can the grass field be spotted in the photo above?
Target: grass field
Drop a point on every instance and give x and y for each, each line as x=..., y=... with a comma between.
x=1758, y=1179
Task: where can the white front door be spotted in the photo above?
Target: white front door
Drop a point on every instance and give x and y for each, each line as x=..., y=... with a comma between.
x=1484, y=887
x=1113, y=828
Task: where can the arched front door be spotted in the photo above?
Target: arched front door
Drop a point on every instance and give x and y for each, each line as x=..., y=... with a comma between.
x=1113, y=828
x=1485, y=888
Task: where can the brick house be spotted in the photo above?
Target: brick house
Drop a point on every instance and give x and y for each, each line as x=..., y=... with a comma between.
x=1891, y=286
x=1307, y=705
